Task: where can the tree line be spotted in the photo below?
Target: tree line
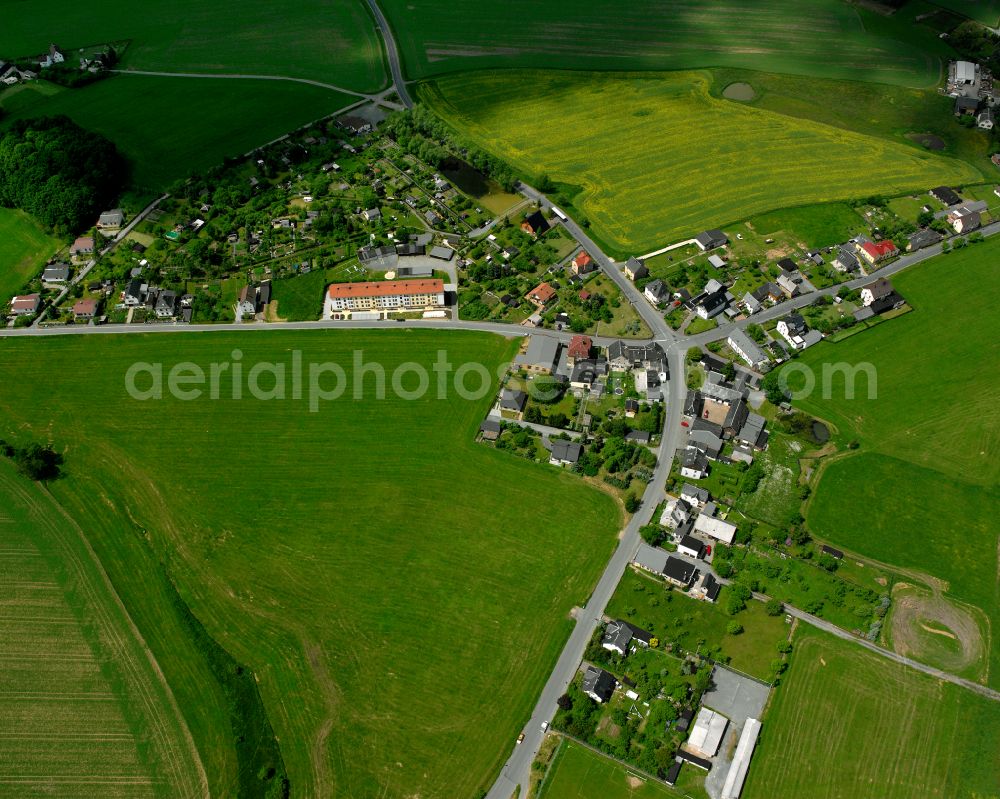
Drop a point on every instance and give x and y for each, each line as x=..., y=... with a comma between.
x=58, y=172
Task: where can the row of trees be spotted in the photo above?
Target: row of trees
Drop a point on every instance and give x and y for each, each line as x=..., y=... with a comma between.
x=58, y=172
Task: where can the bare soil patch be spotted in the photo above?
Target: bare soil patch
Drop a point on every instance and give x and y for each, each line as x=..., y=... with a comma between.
x=741, y=92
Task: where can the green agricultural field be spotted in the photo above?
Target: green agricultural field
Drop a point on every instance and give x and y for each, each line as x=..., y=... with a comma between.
x=833, y=39
x=812, y=226
x=171, y=127
x=24, y=249
x=985, y=11
x=897, y=113
x=83, y=710
x=331, y=42
x=849, y=723
x=400, y=617
x=929, y=442
x=579, y=773
x=629, y=141
x=673, y=617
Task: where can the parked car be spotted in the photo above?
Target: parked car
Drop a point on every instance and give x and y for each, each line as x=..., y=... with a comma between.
x=520, y=737
x=545, y=726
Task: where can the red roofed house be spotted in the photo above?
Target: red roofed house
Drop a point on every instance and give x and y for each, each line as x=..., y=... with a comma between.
x=541, y=295
x=583, y=263
x=584, y=295
x=385, y=295
x=579, y=349
x=26, y=304
x=875, y=252
x=82, y=246
x=85, y=309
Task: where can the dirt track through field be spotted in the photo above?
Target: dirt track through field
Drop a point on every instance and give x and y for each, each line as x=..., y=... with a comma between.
x=917, y=613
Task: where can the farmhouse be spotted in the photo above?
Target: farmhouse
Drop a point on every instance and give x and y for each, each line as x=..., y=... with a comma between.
x=541, y=295
x=635, y=269
x=744, y=346
x=710, y=240
x=624, y=356
x=691, y=546
x=790, y=283
x=945, y=195
x=876, y=290
x=541, y=357
x=82, y=246
x=678, y=572
x=656, y=292
x=963, y=219
x=565, y=453
x=490, y=429
x=876, y=252
x=694, y=464
x=111, y=220
x=385, y=295
x=924, y=237
x=716, y=528
x=55, y=273
x=966, y=105
x=25, y=304
x=651, y=559
x=578, y=349
x=582, y=263
x=598, y=684
x=794, y=330
x=712, y=304
x=253, y=298
x=513, y=400
x=706, y=441
x=694, y=495
x=84, y=309
x=534, y=224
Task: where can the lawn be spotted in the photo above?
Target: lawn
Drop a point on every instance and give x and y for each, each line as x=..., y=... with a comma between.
x=849, y=724
x=812, y=226
x=698, y=626
x=331, y=42
x=659, y=158
x=579, y=773
x=24, y=249
x=927, y=470
x=82, y=708
x=833, y=39
x=301, y=297
x=399, y=617
x=170, y=128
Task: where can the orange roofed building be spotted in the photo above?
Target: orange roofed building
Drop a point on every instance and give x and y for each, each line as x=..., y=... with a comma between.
x=541, y=295
x=385, y=295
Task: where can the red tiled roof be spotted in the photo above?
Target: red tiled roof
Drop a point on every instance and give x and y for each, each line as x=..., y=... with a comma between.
x=386, y=288
x=879, y=249
x=582, y=259
x=85, y=307
x=543, y=292
x=584, y=295
x=579, y=346
x=24, y=301
x=83, y=243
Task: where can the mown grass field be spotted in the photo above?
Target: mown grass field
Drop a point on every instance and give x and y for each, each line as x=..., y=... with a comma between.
x=82, y=710
x=578, y=773
x=400, y=592
x=926, y=471
x=832, y=40
x=24, y=249
x=659, y=158
x=675, y=617
x=849, y=724
x=170, y=128
x=331, y=42
x=812, y=226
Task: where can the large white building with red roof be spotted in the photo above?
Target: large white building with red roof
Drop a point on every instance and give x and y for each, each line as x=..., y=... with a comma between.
x=876, y=251
x=385, y=295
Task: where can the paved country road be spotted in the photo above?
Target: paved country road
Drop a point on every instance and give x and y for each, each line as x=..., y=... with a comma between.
x=391, y=53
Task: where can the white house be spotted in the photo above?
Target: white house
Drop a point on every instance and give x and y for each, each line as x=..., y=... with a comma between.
x=740, y=343
x=876, y=291
x=964, y=219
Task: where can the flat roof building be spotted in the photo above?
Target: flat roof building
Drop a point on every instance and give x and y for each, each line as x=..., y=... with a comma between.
x=707, y=732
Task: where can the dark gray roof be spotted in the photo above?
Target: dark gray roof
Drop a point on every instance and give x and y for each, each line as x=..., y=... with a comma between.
x=711, y=239
x=924, y=237
x=946, y=195
x=598, y=681
x=680, y=570
x=442, y=253
x=690, y=542
x=637, y=436
x=638, y=633
x=701, y=494
x=694, y=458
x=637, y=267
x=617, y=634
x=569, y=451
x=513, y=400
x=490, y=426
